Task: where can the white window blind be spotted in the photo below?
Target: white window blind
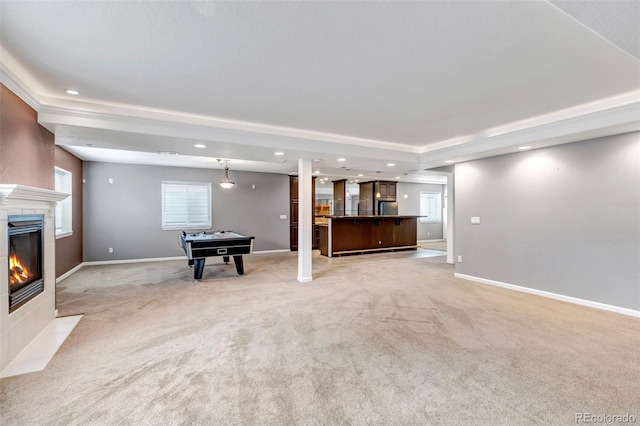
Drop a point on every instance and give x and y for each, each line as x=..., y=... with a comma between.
x=186, y=205
x=430, y=207
x=63, y=210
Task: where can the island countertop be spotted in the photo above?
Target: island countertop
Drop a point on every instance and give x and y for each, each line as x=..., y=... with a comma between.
x=367, y=233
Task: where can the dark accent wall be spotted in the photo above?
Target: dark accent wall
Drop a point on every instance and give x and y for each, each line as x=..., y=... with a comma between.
x=69, y=249
x=127, y=214
x=26, y=148
x=563, y=219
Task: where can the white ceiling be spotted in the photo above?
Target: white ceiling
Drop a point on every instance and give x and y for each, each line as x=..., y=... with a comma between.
x=413, y=83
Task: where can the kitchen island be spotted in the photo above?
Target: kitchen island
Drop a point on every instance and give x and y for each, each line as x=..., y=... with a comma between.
x=343, y=235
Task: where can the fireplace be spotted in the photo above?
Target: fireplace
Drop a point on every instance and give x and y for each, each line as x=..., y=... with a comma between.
x=27, y=230
x=26, y=280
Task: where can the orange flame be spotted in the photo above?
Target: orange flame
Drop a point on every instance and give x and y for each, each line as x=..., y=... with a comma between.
x=18, y=274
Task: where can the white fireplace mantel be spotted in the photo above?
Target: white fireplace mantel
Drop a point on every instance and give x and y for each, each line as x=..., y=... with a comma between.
x=28, y=196
x=20, y=327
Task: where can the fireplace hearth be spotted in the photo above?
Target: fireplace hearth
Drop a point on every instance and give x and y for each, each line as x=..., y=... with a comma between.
x=26, y=281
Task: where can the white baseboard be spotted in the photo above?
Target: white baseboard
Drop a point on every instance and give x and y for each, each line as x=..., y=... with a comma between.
x=116, y=262
x=152, y=259
x=272, y=251
x=305, y=279
x=69, y=273
x=431, y=241
x=561, y=297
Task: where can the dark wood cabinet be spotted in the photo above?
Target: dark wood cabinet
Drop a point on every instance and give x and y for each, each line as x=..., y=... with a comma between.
x=293, y=213
x=339, y=196
x=366, y=199
x=371, y=193
x=392, y=190
x=385, y=191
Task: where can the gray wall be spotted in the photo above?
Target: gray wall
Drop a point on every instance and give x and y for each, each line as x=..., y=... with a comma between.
x=563, y=219
x=411, y=206
x=127, y=215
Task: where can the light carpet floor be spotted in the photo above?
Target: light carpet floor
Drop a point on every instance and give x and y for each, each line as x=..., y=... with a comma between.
x=381, y=339
x=434, y=245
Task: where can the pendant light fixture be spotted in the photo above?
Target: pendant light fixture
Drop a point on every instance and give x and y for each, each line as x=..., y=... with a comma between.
x=226, y=182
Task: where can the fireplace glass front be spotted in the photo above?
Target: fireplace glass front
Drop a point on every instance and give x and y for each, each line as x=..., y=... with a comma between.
x=25, y=259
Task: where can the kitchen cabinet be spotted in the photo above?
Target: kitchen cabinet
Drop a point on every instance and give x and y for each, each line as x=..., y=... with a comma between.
x=293, y=213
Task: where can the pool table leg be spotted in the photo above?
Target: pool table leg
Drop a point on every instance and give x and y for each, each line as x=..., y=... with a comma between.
x=198, y=268
x=239, y=264
x=226, y=259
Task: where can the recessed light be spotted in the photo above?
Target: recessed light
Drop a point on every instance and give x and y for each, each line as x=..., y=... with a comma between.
x=72, y=92
x=350, y=181
x=391, y=164
x=360, y=175
x=397, y=177
x=317, y=172
x=199, y=145
x=522, y=148
x=449, y=161
x=356, y=180
x=278, y=153
x=342, y=159
x=317, y=160
x=168, y=153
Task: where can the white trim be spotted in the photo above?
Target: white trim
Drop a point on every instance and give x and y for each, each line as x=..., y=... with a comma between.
x=116, y=262
x=305, y=279
x=561, y=297
x=588, y=121
x=432, y=241
x=19, y=193
x=611, y=109
x=273, y=251
x=64, y=234
x=330, y=238
x=69, y=273
x=162, y=259
x=616, y=114
x=175, y=124
x=14, y=83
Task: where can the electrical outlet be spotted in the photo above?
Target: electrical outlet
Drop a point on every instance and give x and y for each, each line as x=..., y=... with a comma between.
x=110, y=181
x=428, y=234
x=283, y=216
x=110, y=249
x=459, y=259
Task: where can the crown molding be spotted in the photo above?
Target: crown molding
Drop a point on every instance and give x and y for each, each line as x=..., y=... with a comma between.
x=606, y=117
x=171, y=123
x=17, y=86
x=213, y=130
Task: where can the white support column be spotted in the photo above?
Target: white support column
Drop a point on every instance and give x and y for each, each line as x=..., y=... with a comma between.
x=305, y=225
x=451, y=208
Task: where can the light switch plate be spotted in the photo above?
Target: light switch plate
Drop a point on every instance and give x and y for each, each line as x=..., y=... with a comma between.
x=283, y=216
x=475, y=220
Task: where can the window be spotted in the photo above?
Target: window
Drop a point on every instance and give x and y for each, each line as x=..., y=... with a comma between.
x=63, y=211
x=186, y=205
x=431, y=207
